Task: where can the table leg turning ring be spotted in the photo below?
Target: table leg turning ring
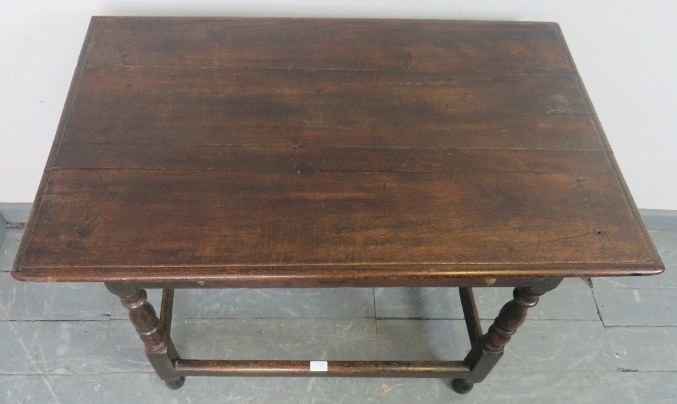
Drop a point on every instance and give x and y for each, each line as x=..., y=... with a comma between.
x=488, y=348
x=160, y=349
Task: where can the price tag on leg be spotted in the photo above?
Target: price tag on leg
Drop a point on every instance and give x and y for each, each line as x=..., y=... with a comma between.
x=319, y=366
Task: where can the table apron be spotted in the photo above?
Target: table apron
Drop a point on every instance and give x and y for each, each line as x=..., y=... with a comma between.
x=449, y=282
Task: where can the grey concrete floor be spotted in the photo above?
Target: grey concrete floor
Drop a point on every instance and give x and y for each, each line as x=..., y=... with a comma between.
x=608, y=341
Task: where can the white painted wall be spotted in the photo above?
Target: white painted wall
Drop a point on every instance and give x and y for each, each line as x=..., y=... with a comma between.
x=626, y=52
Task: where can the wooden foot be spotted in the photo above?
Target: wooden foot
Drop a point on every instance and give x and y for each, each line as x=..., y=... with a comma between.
x=175, y=385
x=159, y=347
x=488, y=349
x=461, y=386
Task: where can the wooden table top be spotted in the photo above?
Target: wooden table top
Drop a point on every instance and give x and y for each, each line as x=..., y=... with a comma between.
x=322, y=152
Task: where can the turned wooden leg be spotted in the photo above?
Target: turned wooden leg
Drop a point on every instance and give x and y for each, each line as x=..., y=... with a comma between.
x=488, y=348
x=159, y=347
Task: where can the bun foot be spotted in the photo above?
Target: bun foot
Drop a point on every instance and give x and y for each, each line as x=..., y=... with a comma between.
x=176, y=384
x=461, y=386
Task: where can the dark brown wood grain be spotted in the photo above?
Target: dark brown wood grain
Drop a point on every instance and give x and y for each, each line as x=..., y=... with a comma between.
x=272, y=152
x=321, y=158
x=332, y=219
x=345, y=44
x=299, y=107
x=166, y=310
x=472, y=318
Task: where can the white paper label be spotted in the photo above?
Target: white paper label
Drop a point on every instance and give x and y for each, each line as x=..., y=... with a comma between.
x=318, y=366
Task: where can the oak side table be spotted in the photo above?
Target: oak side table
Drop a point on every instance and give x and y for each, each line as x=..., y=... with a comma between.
x=292, y=153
